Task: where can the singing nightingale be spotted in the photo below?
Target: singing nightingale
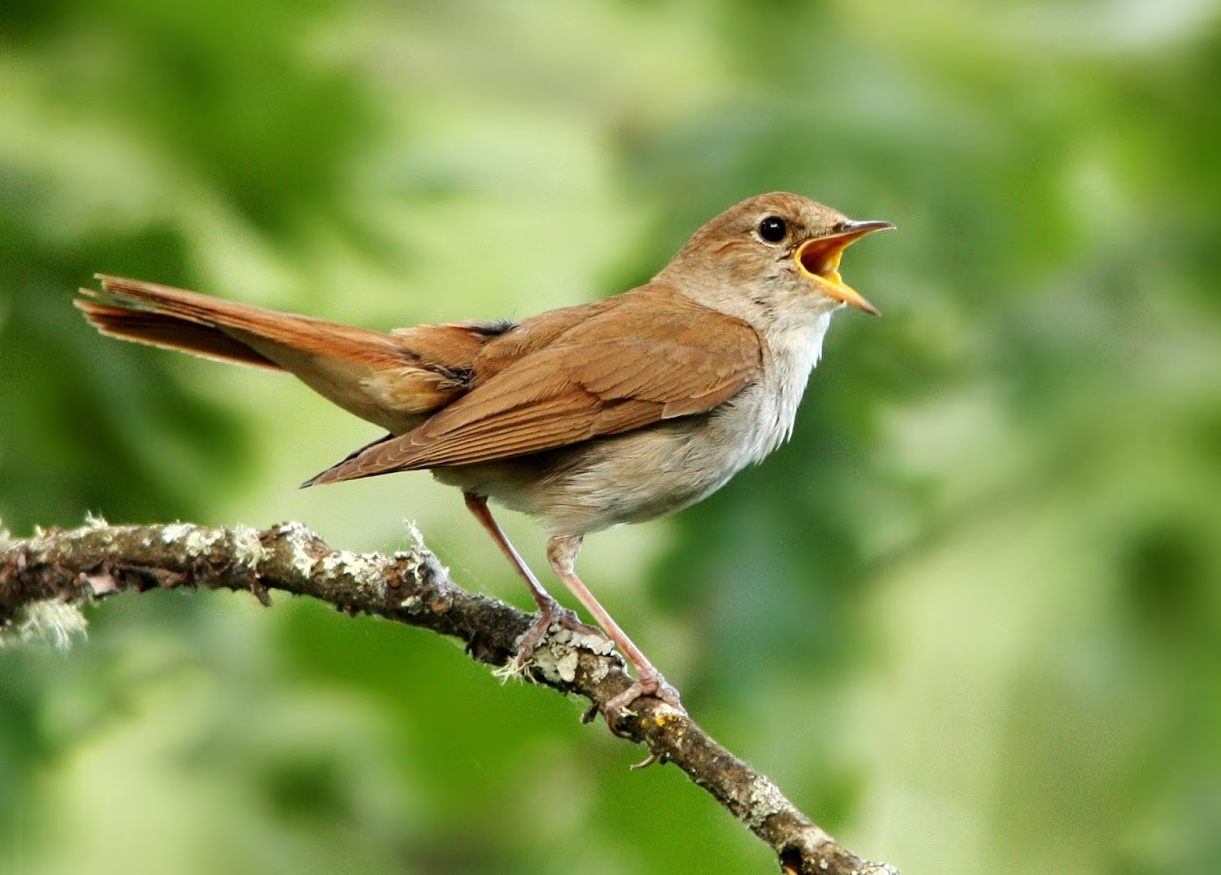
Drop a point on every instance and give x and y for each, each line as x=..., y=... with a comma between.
x=584, y=417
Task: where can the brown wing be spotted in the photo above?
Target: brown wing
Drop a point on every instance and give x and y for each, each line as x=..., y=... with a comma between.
x=653, y=355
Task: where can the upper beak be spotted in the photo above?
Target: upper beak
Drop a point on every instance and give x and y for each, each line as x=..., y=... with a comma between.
x=818, y=261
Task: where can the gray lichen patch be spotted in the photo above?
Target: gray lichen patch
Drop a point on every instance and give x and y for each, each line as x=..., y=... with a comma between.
x=557, y=656
x=247, y=547
x=765, y=799
x=299, y=559
x=200, y=541
x=367, y=571
x=411, y=561
x=196, y=540
x=175, y=532
x=46, y=622
x=299, y=541
x=95, y=521
x=566, y=666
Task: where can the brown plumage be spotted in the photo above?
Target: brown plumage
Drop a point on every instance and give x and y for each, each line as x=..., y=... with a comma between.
x=586, y=416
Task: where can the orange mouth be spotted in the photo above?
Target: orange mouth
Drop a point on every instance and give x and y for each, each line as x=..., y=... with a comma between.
x=818, y=260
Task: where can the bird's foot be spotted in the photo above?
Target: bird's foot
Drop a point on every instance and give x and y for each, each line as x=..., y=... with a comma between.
x=650, y=683
x=550, y=616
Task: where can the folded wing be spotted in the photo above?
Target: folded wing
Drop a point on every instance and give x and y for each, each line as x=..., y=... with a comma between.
x=653, y=355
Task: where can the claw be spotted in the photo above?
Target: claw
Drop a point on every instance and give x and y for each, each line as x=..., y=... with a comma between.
x=551, y=617
x=653, y=685
x=653, y=758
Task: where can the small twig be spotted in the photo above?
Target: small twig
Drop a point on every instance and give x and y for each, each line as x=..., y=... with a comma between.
x=79, y=566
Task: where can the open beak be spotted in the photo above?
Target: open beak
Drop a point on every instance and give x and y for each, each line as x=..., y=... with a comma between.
x=818, y=261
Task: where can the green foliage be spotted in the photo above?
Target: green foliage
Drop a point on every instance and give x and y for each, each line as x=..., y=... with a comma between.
x=969, y=618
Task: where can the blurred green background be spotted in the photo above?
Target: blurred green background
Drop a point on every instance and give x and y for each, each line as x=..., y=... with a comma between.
x=969, y=619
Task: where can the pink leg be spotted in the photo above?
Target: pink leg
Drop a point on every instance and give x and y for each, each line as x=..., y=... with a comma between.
x=549, y=610
x=562, y=553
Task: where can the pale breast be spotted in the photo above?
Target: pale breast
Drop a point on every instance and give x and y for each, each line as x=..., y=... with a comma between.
x=624, y=478
x=792, y=353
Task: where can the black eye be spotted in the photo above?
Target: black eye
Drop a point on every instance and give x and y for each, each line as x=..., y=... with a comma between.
x=772, y=229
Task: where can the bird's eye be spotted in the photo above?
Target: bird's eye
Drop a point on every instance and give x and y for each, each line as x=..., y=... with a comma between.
x=772, y=229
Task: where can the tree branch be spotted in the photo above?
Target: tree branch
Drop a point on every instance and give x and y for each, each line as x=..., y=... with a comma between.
x=59, y=568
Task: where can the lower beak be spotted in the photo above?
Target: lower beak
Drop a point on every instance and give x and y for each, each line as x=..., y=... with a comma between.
x=818, y=261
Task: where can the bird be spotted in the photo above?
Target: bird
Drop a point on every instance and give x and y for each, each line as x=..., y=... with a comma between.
x=584, y=417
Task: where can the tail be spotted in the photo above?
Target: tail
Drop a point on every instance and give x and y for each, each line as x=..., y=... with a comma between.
x=393, y=380
x=165, y=317
x=215, y=328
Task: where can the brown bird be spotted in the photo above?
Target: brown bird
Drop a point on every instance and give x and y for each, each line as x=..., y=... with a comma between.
x=585, y=417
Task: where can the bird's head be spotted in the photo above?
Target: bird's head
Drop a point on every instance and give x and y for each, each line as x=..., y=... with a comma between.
x=776, y=247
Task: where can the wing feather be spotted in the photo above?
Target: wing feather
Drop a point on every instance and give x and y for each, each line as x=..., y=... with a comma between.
x=656, y=356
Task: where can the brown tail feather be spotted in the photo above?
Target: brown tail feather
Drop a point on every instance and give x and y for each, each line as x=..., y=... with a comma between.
x=262, y=329
x=394, y=380
x=169, y=332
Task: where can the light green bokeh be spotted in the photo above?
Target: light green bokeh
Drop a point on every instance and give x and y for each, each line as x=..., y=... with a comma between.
x=969, y=619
